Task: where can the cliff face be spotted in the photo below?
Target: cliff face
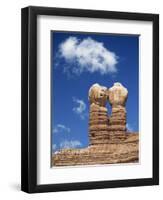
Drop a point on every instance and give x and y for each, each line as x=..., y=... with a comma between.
x=109, y=141
x=111, y=153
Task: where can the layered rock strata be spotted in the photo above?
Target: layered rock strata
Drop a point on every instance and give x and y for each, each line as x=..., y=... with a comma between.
x=125, y=151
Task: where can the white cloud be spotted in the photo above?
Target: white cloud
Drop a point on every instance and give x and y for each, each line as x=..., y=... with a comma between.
x=61, y=128
x=87, y=55
x=66, y=144
x=54, y=146
x=79, y=108
x=129, y=127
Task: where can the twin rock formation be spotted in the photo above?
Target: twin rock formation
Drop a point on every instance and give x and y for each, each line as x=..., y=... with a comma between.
x=109, y=140
x=102, y=128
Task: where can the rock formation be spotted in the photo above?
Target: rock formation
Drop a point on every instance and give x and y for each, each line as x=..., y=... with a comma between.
x=123, y=152
x=117, y=96
x=98, y=116
x=109, y=140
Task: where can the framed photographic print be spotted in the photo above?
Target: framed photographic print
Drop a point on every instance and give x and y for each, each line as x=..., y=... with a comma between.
x=90, y=99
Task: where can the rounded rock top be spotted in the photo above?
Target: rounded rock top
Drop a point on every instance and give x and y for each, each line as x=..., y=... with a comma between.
x=117, y=94
x=97, y=94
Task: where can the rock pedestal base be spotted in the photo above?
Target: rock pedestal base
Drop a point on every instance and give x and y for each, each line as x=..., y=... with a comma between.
x=117, y=124
x=98, y=125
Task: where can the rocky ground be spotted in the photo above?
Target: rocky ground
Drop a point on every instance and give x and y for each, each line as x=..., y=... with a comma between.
x=124, y=151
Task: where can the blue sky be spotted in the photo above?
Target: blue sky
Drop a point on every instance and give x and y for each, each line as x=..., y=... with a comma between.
x=78, y=61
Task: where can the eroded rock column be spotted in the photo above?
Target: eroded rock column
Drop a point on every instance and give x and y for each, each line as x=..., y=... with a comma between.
x=98, y=116
x=117, y=96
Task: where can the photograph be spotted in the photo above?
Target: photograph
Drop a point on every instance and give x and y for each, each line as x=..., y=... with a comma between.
x=90, y=99
x=94, y=98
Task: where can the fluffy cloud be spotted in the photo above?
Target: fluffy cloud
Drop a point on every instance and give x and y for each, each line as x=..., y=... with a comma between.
x=61, y=128
x=129, y=127
x=79, y=107
x=66, y=144
x=87, y=55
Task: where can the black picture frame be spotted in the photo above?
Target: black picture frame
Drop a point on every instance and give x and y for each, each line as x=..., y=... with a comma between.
x=29, y=99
